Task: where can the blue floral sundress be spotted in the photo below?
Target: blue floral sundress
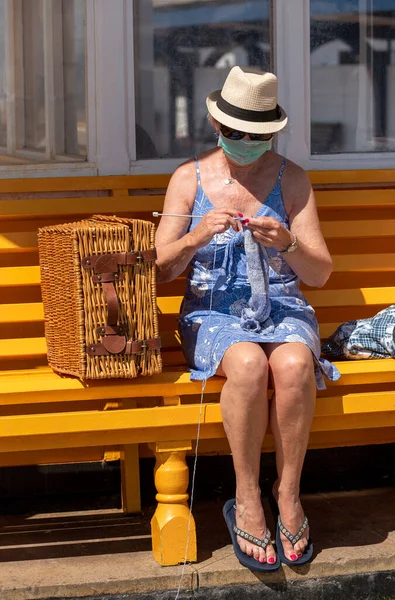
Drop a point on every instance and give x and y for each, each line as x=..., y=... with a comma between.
x=224, y=285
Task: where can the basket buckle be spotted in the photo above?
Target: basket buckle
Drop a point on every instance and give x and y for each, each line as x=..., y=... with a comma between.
x=144, y=347
x=139, y=258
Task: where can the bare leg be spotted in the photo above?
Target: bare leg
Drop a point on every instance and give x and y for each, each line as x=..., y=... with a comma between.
x=244, y=408
x=291, y=414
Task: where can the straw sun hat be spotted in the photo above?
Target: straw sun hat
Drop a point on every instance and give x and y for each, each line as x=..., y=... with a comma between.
x=248, y=102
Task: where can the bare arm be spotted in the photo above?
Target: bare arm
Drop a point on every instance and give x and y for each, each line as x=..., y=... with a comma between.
x=174, y=244
x=311, y=261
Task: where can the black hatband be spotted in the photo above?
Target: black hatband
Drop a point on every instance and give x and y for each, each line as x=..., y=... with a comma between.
x=256, y=116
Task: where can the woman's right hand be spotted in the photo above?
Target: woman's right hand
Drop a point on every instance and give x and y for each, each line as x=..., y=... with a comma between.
x=215, y=221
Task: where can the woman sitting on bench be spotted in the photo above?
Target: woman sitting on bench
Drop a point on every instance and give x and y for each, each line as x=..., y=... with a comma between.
x=250, y=234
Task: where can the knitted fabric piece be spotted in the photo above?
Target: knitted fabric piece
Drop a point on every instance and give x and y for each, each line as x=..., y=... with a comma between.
x=256, y=317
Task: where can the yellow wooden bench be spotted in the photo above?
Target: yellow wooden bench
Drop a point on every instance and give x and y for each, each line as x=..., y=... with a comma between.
x=48, y=419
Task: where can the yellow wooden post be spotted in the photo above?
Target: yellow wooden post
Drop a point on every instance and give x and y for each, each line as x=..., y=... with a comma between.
x=173, y=527
x=130, y=467
x=130, y=478
x=112, y=453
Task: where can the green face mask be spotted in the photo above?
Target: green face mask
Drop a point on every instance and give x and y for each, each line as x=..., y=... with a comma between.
x=243, y=152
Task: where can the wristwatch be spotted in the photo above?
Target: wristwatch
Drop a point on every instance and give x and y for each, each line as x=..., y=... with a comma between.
x=292, y=246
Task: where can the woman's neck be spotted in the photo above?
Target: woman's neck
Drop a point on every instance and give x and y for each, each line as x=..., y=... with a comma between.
x=243, y=172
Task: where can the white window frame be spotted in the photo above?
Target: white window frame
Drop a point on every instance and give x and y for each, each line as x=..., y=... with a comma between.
x=169, y=165
x=110, y=97
x=292, y=61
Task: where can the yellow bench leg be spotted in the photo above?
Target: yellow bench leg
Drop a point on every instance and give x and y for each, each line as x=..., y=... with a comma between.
x=130, y=479
x=172, y=526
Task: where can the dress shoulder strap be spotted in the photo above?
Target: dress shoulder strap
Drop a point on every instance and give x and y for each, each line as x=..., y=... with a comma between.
x=280, y=173
x=197, y=171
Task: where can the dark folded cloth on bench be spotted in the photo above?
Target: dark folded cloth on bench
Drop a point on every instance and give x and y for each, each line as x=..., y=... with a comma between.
x=364, y=338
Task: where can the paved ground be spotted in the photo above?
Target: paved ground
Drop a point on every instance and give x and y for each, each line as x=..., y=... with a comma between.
x=92, y=553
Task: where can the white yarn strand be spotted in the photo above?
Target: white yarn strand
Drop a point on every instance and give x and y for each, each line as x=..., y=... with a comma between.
x=204, y=382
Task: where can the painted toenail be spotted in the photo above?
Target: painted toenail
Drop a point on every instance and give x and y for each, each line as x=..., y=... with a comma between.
x=271, y=559
x=300, y=554
x=293, y=557
x=262, y=560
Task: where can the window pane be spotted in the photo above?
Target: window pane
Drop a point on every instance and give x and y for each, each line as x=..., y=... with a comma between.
x=74, y=27
x=42, y=81
x=33, y=112
x=185, y=51
x=352, y=76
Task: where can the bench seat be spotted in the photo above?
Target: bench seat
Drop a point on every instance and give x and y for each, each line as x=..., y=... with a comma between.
x=168, y=421
x=26, y=386
x=46, y=418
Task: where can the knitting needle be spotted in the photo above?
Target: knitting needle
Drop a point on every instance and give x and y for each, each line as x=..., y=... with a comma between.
x=158, y=214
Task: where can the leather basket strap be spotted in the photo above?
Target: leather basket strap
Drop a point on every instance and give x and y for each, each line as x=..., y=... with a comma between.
x=111, y=298
x=105, y=267
x=120, y=258
x=136, y=347
x=106, y=273
x=137, y=257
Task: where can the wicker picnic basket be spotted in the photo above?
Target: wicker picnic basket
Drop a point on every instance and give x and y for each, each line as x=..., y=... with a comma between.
x=98, y=283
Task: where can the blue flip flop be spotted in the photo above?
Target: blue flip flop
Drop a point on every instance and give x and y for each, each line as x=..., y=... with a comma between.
x=229, y=512
x=307, y=554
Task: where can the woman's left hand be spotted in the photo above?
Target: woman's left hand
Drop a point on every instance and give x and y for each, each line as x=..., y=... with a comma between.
x=270, y=233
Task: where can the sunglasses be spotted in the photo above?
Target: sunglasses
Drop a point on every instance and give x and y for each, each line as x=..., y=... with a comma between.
x=234, y=134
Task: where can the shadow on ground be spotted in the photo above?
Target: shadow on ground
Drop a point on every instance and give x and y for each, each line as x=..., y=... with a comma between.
x=338, y=520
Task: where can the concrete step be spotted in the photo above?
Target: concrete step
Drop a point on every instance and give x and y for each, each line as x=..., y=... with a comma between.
x=105, y=554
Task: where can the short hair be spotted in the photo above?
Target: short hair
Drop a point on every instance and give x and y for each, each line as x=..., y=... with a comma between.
x=212, y=121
